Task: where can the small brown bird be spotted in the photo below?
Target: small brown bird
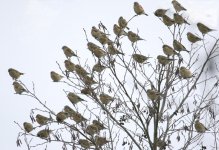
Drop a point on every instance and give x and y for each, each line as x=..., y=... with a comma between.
x=177, y=6
x=15, y=74
x=203, y=28
x=28, y=127
x=105, y=98
x=168, y=50
x=162, y=144
x=61, y=116
x=193, y=38
x=185, y=73
x=100, y=141
x=44, y=134
x=69, y=65
x=68, y=52
x=55, y=76
x=139, y=10
x=168, y=21
x=88, y=80
x=80, y=71
x=200, y=127
x=133, y=37
x=99, y=125
x=164, y=60
x=85, y=143
x=74, y=99
x=96, y=33
x=118, y=30
x=152, y=94
x=96, y=50
x=87, y=91
x=178, y=46
x=78, y=118
x=113, y=51
x=69, y=111
x=122, y=23
x=179, y=19
x=139, y=58
x=98, y=67
x=91, y=129
x=42, y=120
x=19, y=89
x=160, y=12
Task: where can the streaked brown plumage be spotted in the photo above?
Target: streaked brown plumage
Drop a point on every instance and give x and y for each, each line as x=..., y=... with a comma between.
x=139, y=10
x=178, y=46
x=160, y=12
x=193, y=38
x=28, y=127
x=18, y=88
x=167, y=20
x=203, y=28
x=140, y=58
x=177, y=6
x=15, y=74
x=68, y=52
x=55, y=76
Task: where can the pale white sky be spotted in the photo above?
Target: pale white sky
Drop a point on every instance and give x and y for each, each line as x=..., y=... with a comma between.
x=32, y=33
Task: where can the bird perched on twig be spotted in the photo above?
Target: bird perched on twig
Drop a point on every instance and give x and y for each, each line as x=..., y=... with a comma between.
x=91, y=129
x=179, y=19
x=168, y=50
x=113, y=51
x=61, y=116
x=193, y=38
x=200, y=127
x=203, y=28
x=28, y=127
x=163, y=60
x=98, y=67
x=118, y=30
x=44, y=134
x=122, y=23
x=96, y=50
x=80, y=71
x=133, y=37
x=152, y=94
x=78, y=118
x=177, y=6
x=42, y=120
x=168, y=21
x=68, y=52
x=15, y=74
x=105, y=98
x=178, y=46
x=55, y=76
x=160, y=12
x=139, y=10
x=19, y=89
x=85, y=143
x=74, y=99
x=69, y=65
x=185, y=73
x=140, y=58
x=100, y=141
x=99, y=125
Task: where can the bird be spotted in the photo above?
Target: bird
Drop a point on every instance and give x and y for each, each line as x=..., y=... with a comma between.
x=28, y=127
x=203, y=28
x=193, y=38
x=160, y=143
x=168, y=21
x=42, y=120
x=44, y=134
x=168, y=50
x=112, y=50
x=68, y=52
x=55, y=76
x=139, y=10
x=105, y=98
x=80, y=71
x=179, y=19
x=19, y=89
x=69, y=65
x=69, y=110
x=152, y=94
x=98, y=124
x=85, y=143
x=177, y=6
x=133, y=37
x=78, y=118
x=98, y=67
x=185, y=73
x=178, y=46
x=140, y=58
x=118, y=31
x=164, y=60
x=88, y=80
x=96, y=33
x=160, y=12
x=96, y=50
x=87, y=91
x=200, y=127
x=122, y=23
x=74, y=99
x=15, y=74
x=91, y=129
x=61, y=116
x=100, y=141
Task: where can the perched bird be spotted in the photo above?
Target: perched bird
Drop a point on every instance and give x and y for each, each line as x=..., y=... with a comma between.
x=152, y=94
x=61, y=116
x=68, y=52
x=139, y=58
x=162, y=144
x=88, y=80
x=100, y=141
x=139, y=10
x=168, y=50
x=87, y=91
x=164, y=60
x=99, y=125
x=44, y=134
x=74, y=99
x=96, y=50
x=118, y=30
x=55, y=76
x=200, y=127
x=69, y=65
x=15, y=74
x=96, y=33
x=193, y=38
x=98, y=67
x=19, y=89
x=91, y=129
x=133, y=37
x=69, y=111
x=105, y=98
x=113, y=51
x=178, y=46
x=28, y=127
x=177, y=6
x=42, y=120
x=179, y=19
x=185, y=73
x=85, y=143
x=203, y=28
x=80, y=71
x=78, y=118
x=160, y=12
x=168, y=21
x=122, y=23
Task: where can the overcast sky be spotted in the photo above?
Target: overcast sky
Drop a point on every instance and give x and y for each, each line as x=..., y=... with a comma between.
x=32, y=33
